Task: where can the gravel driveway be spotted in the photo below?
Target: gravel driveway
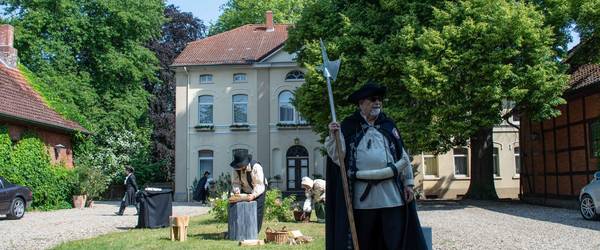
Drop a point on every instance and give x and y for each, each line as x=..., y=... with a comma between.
x=42, y=230
x=507, y=225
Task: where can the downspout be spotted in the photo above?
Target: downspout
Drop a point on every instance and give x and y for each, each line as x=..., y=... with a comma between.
x=187, y=134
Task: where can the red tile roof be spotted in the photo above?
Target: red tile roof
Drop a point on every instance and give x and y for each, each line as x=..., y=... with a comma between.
x=584, y=76
x=19, y=101
x=242, y=45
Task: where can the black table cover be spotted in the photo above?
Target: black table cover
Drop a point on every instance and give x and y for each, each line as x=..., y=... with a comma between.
x=155, y=208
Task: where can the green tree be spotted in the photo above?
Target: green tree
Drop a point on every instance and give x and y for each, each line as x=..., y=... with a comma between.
x=89, y=60
x=449, y=68
x=240, y=12
x=586, y=16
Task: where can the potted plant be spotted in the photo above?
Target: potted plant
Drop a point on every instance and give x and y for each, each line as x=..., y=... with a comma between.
x=79, y=196
x=96, y=183
x=90, y=183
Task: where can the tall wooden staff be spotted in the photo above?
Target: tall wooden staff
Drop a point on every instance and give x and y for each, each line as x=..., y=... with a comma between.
x=330, y=70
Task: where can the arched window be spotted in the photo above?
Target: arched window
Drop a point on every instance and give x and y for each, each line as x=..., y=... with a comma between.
x=205, y=162
x=297, y=166
x=294, y=75
x=287, y=112
x=205, y=109
x=240, y=109
x=206, y=78
x=239, y=77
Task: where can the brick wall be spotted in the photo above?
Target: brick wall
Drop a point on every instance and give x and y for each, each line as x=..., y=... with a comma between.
x=52, y=139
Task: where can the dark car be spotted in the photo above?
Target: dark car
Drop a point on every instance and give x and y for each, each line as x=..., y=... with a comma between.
x=14, y=199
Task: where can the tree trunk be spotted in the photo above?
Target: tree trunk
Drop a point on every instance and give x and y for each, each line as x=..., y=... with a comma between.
x=482, y=166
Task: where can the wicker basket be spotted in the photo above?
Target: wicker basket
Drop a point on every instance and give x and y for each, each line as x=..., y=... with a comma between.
x=279, y=237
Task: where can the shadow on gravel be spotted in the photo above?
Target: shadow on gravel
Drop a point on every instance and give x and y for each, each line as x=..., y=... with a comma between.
x=125, y=228
x=435, y=205
x=568, y=217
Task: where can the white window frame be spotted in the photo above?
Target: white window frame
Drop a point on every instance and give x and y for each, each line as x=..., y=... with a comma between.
x=425, y=167
x=206, y=79
x=279, y=104
x=454, y=156
x=517, y=156
x=240, y=75
x=212, y=106
x=201, y=158
x=233, y=103
x=496, y=161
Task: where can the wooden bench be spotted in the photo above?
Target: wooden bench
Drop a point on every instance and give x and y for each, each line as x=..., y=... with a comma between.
x=179, y=226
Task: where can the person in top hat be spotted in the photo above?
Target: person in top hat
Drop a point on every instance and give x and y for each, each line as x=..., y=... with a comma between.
x=315, y=197
x=248, y=178
x=131, y=188
x=380, y=180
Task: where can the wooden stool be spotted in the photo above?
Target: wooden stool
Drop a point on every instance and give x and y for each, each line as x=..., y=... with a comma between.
x=179, y=225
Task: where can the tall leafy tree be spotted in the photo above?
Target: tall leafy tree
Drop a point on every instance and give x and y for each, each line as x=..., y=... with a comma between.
x=449, y=68
x=179, y=29
x=240, y=12
x=586, y=16
x=91, y=61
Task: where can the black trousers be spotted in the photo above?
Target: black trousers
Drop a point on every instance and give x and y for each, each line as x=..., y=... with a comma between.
x=260, y=210
x=381, y=228
x=125, y=202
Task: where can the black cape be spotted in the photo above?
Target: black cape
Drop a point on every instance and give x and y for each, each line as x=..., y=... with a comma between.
x=337, y=228
x=131, y=188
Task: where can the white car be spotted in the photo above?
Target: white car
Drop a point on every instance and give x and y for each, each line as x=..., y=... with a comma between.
x=589, y=199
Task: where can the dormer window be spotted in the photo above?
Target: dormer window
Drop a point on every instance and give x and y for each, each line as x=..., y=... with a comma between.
x=207, y=78
x=239, y=77
x=295, y=75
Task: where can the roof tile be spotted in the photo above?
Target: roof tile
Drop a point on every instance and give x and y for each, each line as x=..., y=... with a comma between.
x=19, y=99
x=243, y=45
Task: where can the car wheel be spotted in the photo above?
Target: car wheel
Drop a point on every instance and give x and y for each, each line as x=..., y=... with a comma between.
x=587, y=208
x=17, y=209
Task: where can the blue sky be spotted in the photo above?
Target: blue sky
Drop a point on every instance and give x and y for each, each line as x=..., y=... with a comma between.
x=207, y=10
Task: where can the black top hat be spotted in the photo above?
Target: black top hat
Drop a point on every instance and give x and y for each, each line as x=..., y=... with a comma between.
x=369, y=89
x=240, y=157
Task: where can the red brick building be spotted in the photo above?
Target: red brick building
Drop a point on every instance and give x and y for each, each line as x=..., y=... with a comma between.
x=558, y=156
x=23, y=109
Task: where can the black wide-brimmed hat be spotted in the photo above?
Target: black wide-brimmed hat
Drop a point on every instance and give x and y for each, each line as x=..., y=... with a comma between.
x=369, y=89
x=240, y=156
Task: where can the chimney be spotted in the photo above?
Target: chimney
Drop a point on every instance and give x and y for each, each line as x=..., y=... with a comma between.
x=269, y=22
x=8, y=54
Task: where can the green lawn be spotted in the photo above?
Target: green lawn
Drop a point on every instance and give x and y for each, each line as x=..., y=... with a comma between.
x=203, y=233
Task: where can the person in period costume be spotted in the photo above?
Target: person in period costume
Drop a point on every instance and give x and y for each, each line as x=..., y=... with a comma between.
x=131, y=188
x=315, y=197
x=201, y=188
x=248, y=181
x=380, y=180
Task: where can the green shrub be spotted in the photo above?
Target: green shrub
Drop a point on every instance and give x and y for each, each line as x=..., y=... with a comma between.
x=219, y=208
x=277, y=208
x=30, y=166
x=224, y=183
x=5, y=149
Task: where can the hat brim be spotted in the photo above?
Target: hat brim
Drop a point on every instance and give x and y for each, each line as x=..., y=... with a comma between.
x=234, y=164
x=367, y=92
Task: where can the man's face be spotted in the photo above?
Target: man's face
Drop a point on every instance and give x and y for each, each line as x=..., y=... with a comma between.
x=371, y=105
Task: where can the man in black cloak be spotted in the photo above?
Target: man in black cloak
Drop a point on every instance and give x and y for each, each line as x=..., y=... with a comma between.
x=380, y=180
x=201, y=188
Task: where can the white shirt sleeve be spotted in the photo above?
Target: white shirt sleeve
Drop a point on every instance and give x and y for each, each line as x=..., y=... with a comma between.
x=331, y=148
x=258, y=180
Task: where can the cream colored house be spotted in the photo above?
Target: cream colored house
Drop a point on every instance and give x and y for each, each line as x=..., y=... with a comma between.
x=234, y=92
x=446, y=176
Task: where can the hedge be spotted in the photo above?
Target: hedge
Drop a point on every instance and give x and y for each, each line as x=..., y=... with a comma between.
x=27, y=163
